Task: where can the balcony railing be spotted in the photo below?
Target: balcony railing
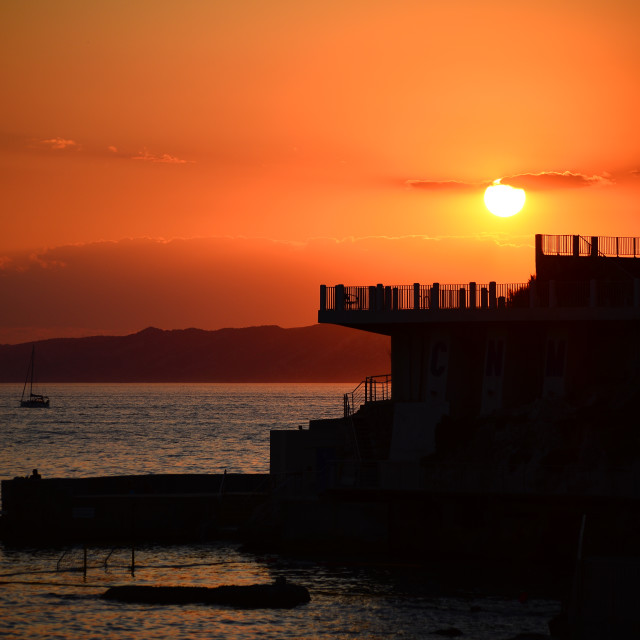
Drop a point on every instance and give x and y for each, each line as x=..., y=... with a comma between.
x=423, y=296
x=436, y=296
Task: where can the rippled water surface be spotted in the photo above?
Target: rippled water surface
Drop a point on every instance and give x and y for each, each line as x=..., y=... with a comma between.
x=117, y=429
x=120, y=429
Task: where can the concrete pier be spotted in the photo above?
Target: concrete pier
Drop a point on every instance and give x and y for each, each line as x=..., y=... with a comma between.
x=117, y=509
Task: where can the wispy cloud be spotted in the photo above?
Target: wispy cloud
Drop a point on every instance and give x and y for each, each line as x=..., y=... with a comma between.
x=500, y=238
x=443, y=185
x=59, y=143
x=146, y=156
x=547, y=180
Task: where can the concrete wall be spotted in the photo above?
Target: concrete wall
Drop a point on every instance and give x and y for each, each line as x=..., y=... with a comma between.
x=307, y=452
x=584, y=268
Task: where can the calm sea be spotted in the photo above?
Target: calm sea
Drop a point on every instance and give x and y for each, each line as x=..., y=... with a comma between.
x=117, y=429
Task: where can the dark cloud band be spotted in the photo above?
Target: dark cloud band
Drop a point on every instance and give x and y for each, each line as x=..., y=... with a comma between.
x=543, y=181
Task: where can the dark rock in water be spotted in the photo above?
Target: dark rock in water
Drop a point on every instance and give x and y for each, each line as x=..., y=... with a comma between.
x=279, y=595
x=451, y=632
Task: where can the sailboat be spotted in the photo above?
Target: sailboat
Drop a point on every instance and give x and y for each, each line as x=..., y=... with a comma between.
x=32, y=399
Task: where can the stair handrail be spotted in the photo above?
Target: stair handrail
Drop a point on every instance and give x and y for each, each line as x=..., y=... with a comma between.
x=371, y=389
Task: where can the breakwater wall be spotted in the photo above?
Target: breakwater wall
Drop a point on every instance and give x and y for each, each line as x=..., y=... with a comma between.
x=164, y=507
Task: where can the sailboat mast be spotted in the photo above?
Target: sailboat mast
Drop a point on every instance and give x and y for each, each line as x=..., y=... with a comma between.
x=34, y=399
x=29, y=376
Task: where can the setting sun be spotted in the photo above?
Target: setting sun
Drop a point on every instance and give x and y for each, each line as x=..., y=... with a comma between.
x=504, y=201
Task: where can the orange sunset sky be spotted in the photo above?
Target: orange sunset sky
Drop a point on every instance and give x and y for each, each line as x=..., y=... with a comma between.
x=210, y=164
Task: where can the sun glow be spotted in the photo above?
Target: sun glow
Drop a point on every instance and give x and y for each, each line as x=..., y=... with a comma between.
x=504, y=201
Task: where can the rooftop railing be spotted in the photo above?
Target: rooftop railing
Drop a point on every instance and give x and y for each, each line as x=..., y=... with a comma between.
x=596, y=246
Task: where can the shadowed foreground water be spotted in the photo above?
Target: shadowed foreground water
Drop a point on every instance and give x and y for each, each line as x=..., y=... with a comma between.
x=120, y=429
x=349, y=600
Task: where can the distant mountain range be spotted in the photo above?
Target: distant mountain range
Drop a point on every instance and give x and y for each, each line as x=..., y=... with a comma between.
x=318, y=353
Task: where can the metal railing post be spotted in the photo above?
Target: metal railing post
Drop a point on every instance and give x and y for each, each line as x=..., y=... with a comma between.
x=416, y=295
x=493, y=300
x=323, y=297
x=435, y=295
x=472, y=295
x=387, y=298
x=379, y=297
x=539, y=247
x=462, y=298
